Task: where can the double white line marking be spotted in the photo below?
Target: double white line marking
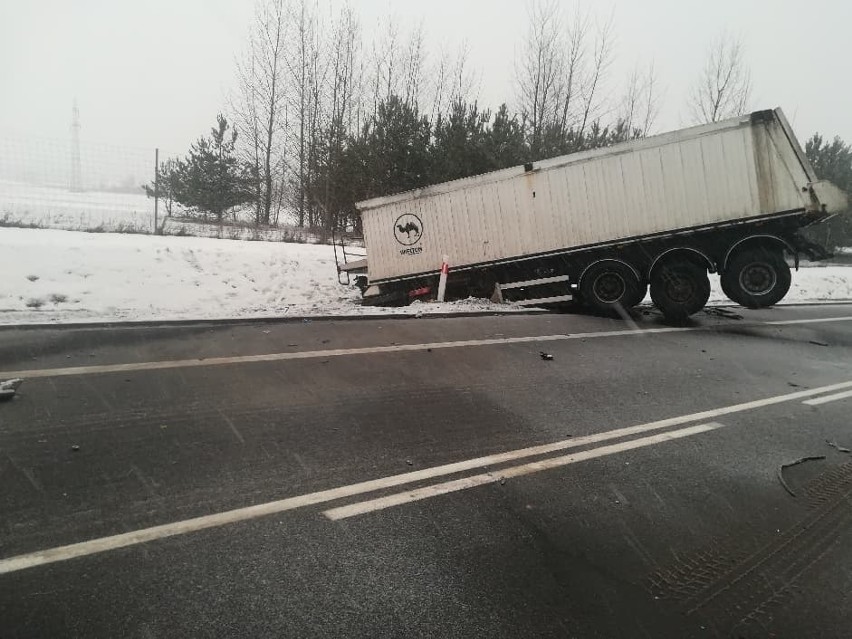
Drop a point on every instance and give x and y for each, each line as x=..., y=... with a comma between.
x=145, y=535
x=828, y=398
x=515, y=471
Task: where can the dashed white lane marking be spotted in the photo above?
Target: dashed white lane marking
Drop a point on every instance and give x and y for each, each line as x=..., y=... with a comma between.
x=434, y=490
x=829, y=398
x=103, y=544
x=397, y=348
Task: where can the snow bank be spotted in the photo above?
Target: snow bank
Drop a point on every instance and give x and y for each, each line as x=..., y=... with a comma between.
x=60, y=276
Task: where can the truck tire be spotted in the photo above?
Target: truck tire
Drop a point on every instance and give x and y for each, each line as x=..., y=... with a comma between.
x=679, y=289
x=756, y=278
x=608, y=286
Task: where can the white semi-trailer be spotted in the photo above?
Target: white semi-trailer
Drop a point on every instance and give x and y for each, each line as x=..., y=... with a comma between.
x=603, y=225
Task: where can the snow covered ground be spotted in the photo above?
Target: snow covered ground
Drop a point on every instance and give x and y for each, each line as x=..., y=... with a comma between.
x=50, y=207
x=60, y=276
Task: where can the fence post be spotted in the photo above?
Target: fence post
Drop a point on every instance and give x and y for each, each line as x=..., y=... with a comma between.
x=156, y=189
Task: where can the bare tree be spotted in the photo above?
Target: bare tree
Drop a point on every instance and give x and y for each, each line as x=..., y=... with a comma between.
x=539, y=70
x=342, y=105
x=306, y=70
x=453, y=81
x=413, y=67
x=561, y=72
x=464, y=79
x=724, y=87
x=640, y=104
x=385, y=75
x=260, y=104
x=601, y=60
x=440, y=75
x=572, y=71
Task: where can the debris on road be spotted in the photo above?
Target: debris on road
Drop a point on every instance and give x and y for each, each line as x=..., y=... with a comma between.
x=817, y=342
x=409, y=462
x=547, y=357
x=835, y=446
x=802, y=460
x=721, y=311
x=8, y=389
x=75, y=447
x=11, y=384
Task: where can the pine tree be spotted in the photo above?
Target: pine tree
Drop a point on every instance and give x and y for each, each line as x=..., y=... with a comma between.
x=504, y=142
x=394, y=152
x=460, y=146
x=211, y=179
x=832, y=162
x=166, y=185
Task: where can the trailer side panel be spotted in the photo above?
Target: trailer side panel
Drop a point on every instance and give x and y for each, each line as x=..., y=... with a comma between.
x=704, y=175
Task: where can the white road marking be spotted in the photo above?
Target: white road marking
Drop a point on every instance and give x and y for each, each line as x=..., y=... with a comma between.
x=397, y=348
x=829, y=398
x=145, y=535
x=340, y=352
x=464, y=483
x=819, y=320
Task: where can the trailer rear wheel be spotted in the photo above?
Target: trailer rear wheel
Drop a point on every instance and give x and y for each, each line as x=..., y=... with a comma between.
x=608, y=286
x=756, y=278
x=679, y=289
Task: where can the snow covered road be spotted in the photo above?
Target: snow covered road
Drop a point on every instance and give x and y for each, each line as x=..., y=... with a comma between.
x=63, y=276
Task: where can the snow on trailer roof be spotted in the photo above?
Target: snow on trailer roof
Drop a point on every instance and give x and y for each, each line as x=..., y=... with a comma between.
x=624, y=147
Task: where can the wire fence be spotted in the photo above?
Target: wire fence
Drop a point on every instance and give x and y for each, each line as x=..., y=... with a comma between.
x=82, y=186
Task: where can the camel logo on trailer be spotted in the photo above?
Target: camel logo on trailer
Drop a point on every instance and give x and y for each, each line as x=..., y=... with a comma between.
x=408, y=229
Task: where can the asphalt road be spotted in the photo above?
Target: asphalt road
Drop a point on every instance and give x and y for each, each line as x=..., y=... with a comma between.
x=430, y=477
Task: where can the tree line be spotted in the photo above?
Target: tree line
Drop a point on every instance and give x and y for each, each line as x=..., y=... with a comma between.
x=321, y=119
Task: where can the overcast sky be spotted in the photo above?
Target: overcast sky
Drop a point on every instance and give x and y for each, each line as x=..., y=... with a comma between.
x=155, y=73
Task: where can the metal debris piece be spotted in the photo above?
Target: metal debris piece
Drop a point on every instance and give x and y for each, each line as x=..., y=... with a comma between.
x=790, y=465
x=547, y=357
x=8, y=389
x=409, y=462
x=817, y=342
x=75, y=447
x=11, y=384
